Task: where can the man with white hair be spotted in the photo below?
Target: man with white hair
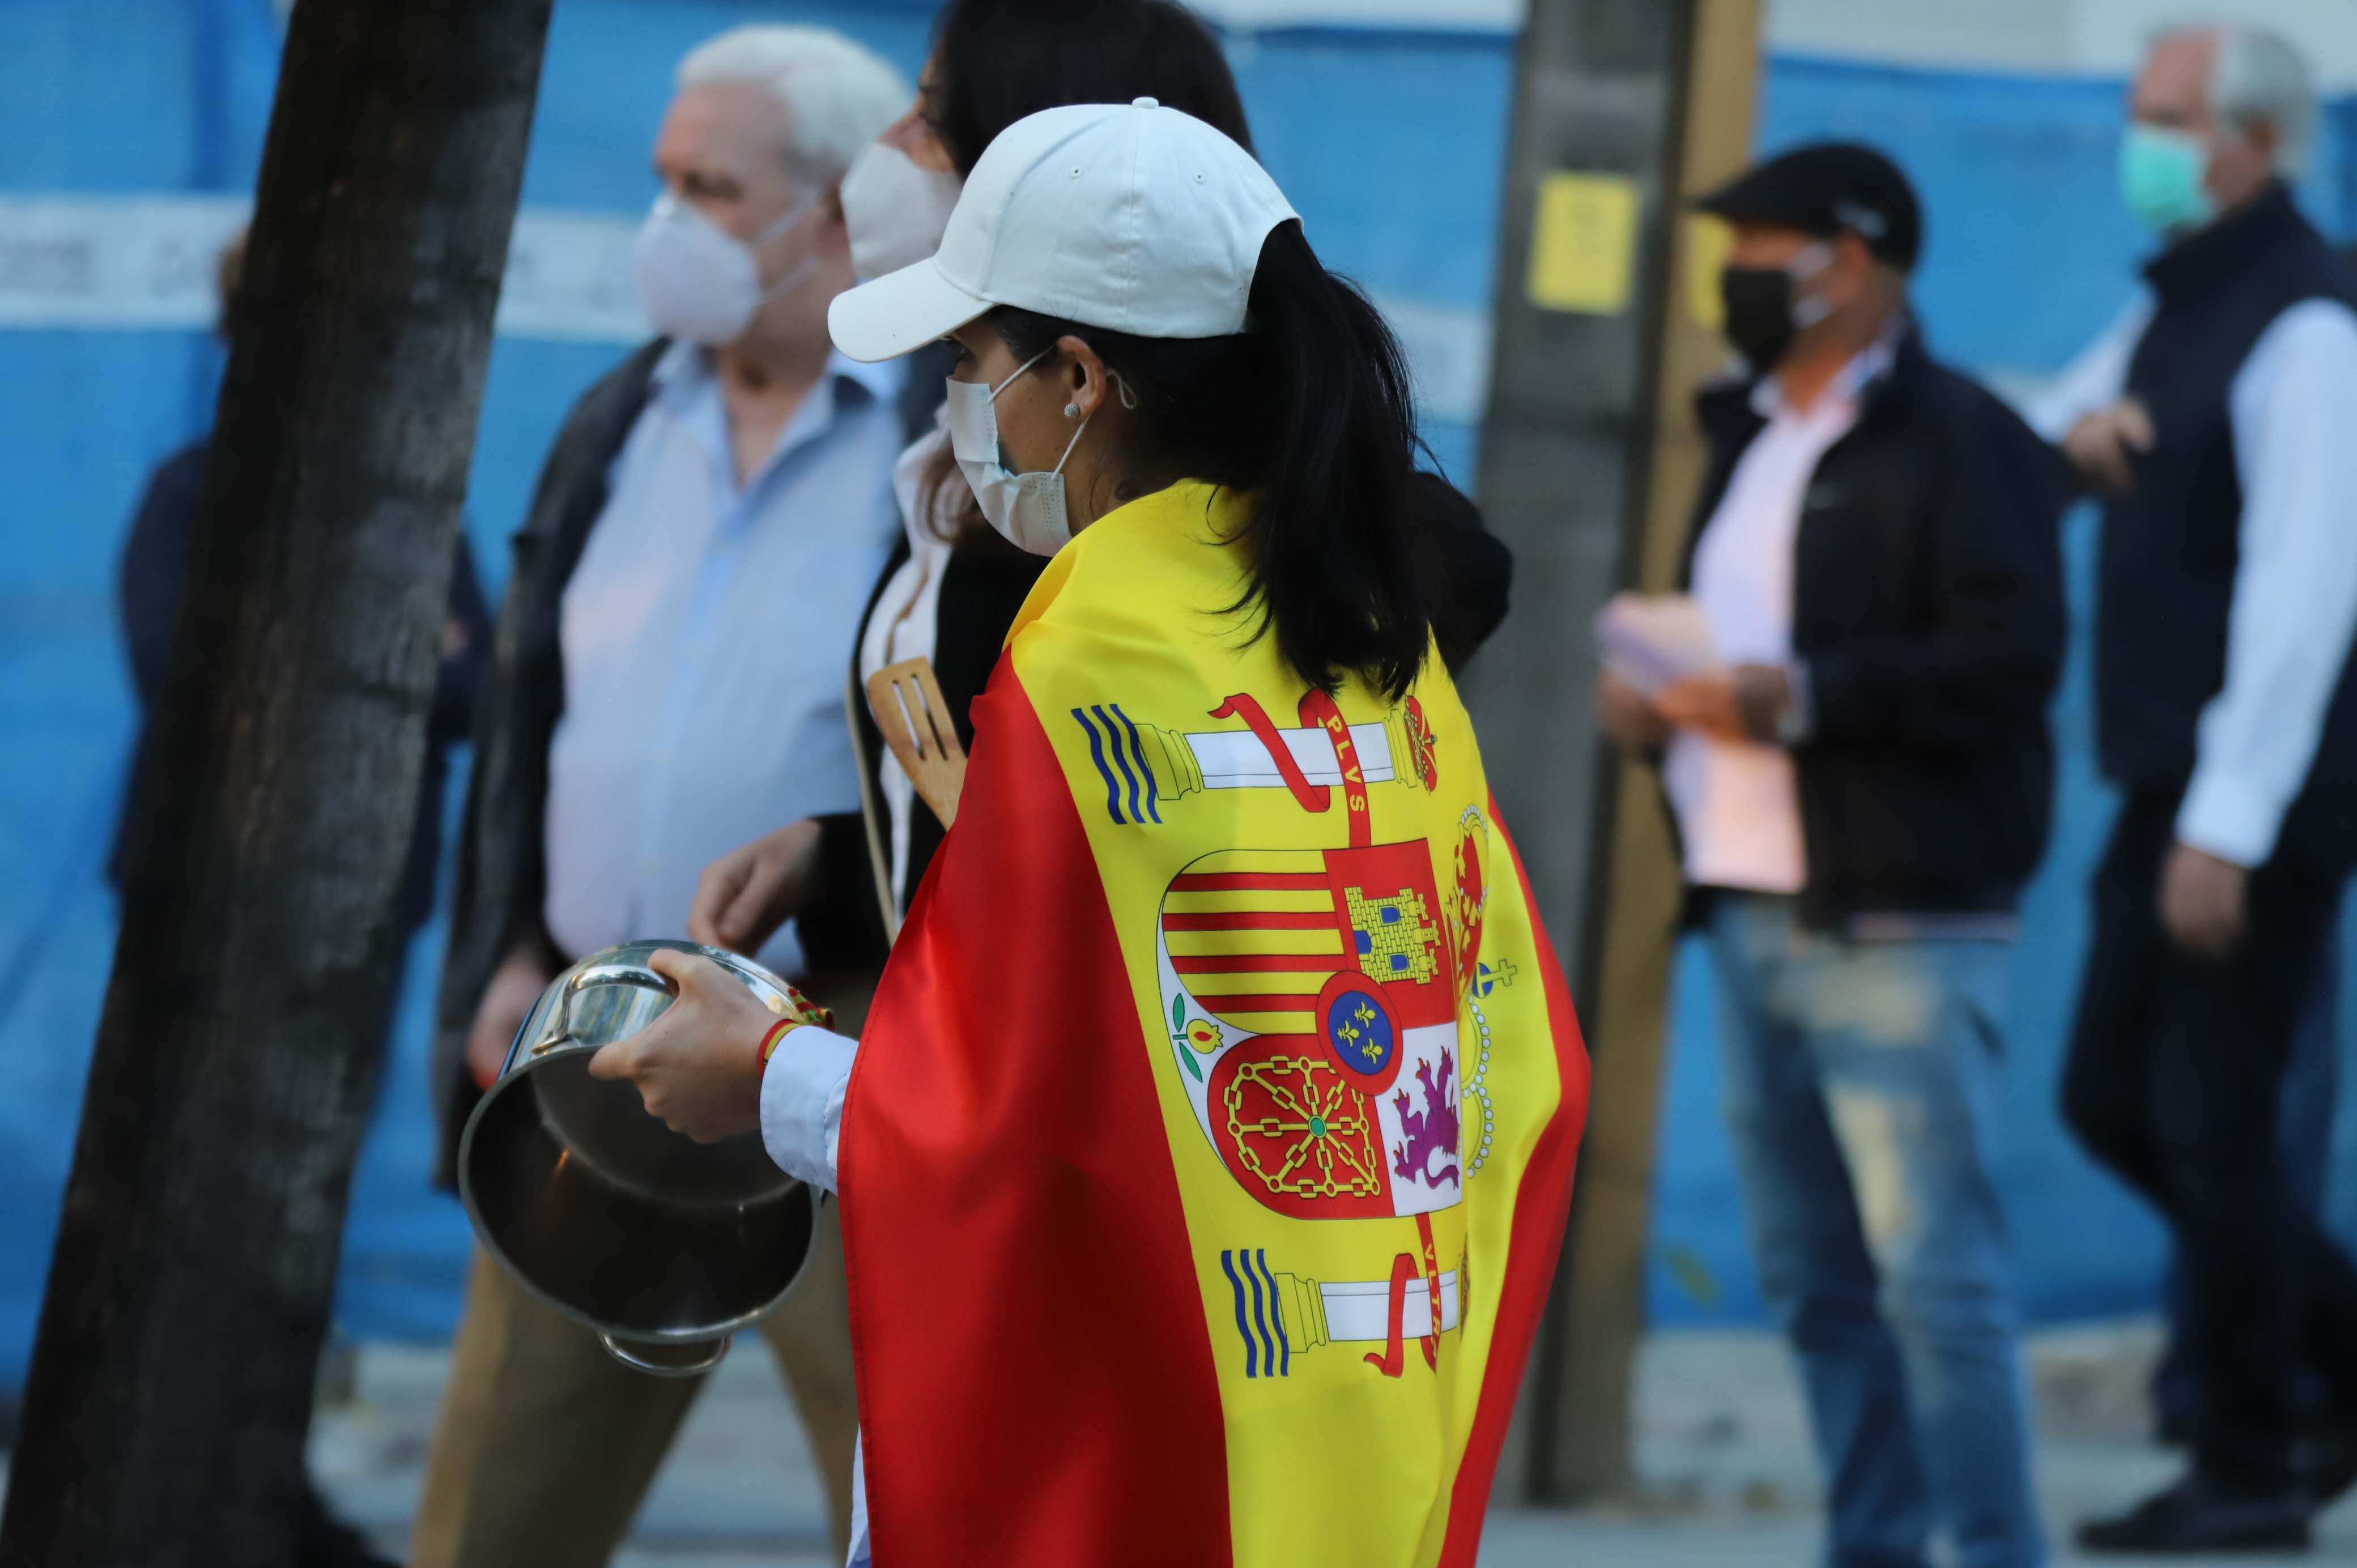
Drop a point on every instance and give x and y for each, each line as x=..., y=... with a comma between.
x=668, y=683
x=2214, y=419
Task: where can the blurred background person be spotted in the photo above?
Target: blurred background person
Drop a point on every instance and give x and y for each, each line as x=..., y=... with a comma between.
x=149, y=580
x=2089, y=413
x=1862, y=783
x=150, y=583
x=670, y=682
x=2214, y=419
x=953, y=586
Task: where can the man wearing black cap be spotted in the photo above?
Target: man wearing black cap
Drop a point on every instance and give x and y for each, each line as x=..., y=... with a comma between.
x=1861, y=780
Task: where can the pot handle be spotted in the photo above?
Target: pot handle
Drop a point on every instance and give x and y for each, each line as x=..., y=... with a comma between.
x=696, y=1368
x=623, y=971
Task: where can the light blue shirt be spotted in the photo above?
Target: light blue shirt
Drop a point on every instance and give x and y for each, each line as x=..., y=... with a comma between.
x=706, y=632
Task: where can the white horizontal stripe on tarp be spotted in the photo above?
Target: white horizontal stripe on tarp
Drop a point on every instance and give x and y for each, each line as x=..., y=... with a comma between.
x=1445, y=16
x=104, y=262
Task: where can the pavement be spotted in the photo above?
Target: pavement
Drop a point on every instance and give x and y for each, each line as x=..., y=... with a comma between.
x=1728, y=1480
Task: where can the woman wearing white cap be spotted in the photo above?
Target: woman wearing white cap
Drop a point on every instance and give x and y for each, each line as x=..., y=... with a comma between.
x=950, y=595
x=950, y=592
x=1213, y=1130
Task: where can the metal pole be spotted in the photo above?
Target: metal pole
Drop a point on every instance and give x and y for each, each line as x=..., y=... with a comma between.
x=1587, y=468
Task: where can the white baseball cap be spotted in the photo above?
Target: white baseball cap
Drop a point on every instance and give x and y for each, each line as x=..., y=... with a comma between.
x=1130, y=216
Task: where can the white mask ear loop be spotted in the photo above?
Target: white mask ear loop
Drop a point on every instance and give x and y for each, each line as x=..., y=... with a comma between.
x=1128, y=401
x=787, y=222
x=1019, y=370
x=1075, y=441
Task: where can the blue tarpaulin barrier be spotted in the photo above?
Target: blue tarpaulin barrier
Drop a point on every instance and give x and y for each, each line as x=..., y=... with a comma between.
x=1391, y=146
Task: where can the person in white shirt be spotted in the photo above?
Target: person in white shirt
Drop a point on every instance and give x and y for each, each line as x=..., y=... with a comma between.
x=1862, y=781
x=669, y=683
x=2214, y=419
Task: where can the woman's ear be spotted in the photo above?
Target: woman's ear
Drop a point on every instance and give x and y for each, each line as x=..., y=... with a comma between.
x=1086, y=382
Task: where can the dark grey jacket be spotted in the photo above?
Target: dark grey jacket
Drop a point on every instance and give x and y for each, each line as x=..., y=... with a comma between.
x=503, y=874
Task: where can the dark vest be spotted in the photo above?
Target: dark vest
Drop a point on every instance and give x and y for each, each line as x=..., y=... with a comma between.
x=2170, y=551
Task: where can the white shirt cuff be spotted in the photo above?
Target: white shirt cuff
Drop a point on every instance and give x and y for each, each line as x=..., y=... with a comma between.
x=2228, y=818
x=802, y=1103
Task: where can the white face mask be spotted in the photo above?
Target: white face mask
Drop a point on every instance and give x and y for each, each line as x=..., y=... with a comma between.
x=700, y=283
x=894, y=210
x=1028, y=508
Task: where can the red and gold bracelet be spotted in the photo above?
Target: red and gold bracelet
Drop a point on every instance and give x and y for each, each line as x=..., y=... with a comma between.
x=777, y=1031
x=808, y=1011
x=805, y=1011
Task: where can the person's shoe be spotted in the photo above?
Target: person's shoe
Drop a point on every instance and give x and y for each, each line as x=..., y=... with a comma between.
x=2196, y=1516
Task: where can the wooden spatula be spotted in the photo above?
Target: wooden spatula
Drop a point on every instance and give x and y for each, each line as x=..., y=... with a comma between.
x=915, y=718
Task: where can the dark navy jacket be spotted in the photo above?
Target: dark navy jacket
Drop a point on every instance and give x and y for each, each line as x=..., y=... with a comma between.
x=154, y=563
x=2170, y=547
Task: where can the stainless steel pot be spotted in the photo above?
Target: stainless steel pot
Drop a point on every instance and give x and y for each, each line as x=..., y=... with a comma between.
x=665, y=1246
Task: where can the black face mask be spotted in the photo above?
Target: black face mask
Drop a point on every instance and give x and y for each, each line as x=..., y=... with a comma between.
x=1759, y=302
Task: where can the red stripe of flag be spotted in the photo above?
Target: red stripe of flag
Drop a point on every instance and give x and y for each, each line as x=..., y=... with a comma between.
x=1254, y=920
x=1542, y=1205
x=1067, y=1195
x=1263, y=964
x=1250, y=882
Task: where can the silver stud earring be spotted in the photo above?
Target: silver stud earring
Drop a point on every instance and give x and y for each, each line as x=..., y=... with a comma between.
x=1071, y=411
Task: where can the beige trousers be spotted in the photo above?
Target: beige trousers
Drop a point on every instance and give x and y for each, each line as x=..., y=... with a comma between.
x=546, y=1445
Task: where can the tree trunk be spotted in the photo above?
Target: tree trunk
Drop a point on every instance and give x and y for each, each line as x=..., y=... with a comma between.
x=171, y=1382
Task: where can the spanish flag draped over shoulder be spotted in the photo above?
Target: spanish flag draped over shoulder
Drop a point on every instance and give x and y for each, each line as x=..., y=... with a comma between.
x=1211, y=1139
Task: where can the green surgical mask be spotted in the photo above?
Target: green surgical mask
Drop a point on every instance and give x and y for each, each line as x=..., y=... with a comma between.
x=2160, y=175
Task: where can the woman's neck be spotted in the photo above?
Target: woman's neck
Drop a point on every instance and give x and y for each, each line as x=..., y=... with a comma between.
x=1091, y=494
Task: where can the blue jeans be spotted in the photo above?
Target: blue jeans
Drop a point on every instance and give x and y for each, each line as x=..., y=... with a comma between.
x=1860, y=1081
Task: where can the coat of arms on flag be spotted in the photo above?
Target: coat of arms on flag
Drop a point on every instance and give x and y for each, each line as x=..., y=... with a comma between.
x=1312, y=1000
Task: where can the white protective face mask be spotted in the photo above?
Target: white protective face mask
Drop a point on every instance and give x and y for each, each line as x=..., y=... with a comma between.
x=1027, y=508
x=700, y=283
x=894, y=210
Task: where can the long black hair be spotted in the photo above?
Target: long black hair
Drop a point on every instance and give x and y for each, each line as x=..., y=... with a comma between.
x=995, y=62
x=1308, y=413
